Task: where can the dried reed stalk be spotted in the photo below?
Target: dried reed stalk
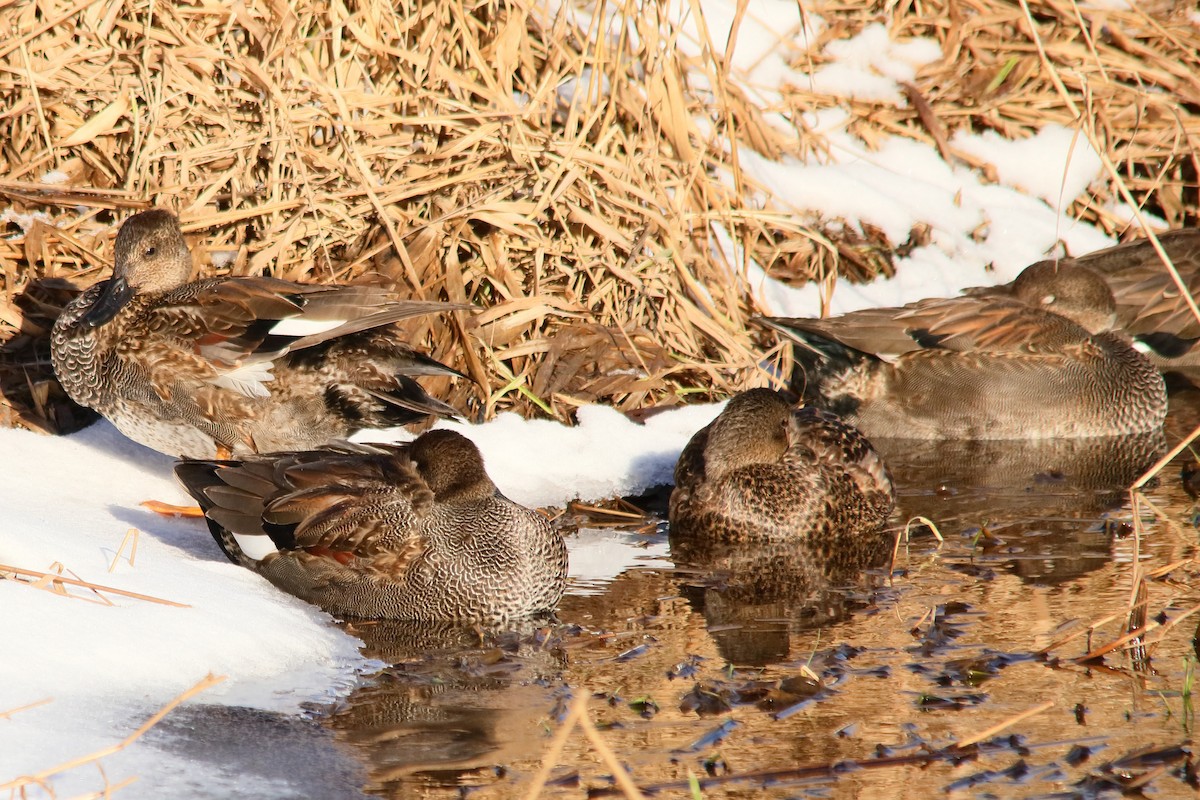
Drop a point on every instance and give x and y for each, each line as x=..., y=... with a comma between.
x=547, y=166
x=56, y=583
x=7, y=714
x=1003, y=725
x=131, y=538
x=577, y=717
x=18, y=784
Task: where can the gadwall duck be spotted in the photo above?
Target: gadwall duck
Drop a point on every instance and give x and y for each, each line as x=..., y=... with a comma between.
x=415, y=531
x=1149, y=305
x=234, y=366
x=780, y=510
x=1030, y=360
x=764, y=469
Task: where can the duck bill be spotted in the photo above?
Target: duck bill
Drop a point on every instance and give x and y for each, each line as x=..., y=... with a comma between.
x=113, y=297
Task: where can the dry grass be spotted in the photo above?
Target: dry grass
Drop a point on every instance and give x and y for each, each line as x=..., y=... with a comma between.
x=57, y=583
x=433, y=145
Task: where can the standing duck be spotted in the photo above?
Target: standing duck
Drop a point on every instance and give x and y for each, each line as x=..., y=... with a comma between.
x=235, y=366
x=415, y=531
x=764, y=469
x=1034, y=359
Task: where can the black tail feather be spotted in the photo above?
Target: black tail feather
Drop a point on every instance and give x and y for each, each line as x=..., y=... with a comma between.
x=821, y=361
x=201, y=480
x=1167, y=345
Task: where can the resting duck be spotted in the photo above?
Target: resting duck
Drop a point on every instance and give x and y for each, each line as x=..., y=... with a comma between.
x=1029, y=360
x=1149, y=305
x=235, y=366
x=414, y=531
x=764, y=469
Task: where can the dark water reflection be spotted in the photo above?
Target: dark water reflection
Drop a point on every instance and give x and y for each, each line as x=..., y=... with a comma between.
x=742, y=662
x=754, y=596
x=452, y=702
x=1038, y=509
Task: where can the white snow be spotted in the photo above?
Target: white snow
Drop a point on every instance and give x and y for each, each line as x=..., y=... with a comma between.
x=1056, y=164
x=982, y=233
x=108, y=667
x=24, y=221
x=538, y=462
x=222, y=258
x=870, y=66
x=771, y=33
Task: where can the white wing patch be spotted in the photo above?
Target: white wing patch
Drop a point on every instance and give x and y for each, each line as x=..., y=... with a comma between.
x=256, y=546
x=301, y=326
x=247, y=380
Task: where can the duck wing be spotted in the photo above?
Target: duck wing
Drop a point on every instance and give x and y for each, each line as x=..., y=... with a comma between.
x=237, y=327
x=973, y=323
x=989, y=324
x=1148, y=299
x=357, y=505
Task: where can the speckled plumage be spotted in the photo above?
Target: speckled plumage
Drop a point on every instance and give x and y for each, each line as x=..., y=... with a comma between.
x=766, y=470
x=415, y=531
x=1011, y=362
x=190, y=367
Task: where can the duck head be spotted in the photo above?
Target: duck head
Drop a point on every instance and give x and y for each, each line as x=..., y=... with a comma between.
x=452, y=466
x=1070, y=290
x=753, y=429
x=150, y=256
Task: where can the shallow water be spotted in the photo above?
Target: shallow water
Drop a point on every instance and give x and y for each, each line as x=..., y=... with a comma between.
x=761, y=679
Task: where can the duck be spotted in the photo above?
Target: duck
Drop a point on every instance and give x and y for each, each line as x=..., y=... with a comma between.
x=1149, y=305
x=1035, y=359
x=225, y=367
x=415, y=531
x=766, y=470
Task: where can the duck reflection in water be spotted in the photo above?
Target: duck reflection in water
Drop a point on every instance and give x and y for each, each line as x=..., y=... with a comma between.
x=1043, y=504
x=455, y=704
x=783, y=506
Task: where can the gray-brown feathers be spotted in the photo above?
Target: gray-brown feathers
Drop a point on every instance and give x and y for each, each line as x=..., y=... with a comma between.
x=766, y=470
x=783, y=504
x=1011, y=362
x=244, y=364
x=1150, y=305
x=415, y=531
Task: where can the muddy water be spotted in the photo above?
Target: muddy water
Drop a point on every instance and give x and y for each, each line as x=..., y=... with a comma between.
x=760, y=677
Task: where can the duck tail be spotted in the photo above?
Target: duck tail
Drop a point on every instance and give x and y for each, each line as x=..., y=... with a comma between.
x=407, y=397
x=232, y=499
x=371, y=379
x=822, y=361
x=1164, y=345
